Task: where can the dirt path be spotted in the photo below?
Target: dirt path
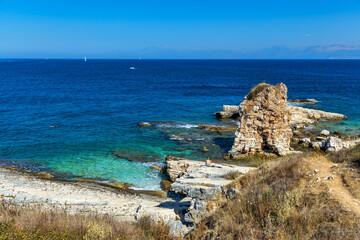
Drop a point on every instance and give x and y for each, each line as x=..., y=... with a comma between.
x=336, y=186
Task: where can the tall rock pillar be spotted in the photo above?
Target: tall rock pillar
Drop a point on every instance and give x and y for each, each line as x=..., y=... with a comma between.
x=264, y=122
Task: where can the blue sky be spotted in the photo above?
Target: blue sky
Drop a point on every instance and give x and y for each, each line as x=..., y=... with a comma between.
x=180, y=29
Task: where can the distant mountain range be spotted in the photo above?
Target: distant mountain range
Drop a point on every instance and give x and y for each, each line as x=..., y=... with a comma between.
x=322, y=51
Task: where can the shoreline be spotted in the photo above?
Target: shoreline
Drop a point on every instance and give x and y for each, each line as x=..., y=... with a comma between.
x=192, y=189
x=90, y=197
x=84, y=197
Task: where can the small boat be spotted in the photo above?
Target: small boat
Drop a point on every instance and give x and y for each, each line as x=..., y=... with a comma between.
x=132, y=68
x=85, y=59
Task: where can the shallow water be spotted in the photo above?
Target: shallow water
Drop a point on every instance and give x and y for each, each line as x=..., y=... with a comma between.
x=95, y=106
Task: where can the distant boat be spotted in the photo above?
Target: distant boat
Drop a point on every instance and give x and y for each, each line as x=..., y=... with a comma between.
x=85, y=59
x=132, y=68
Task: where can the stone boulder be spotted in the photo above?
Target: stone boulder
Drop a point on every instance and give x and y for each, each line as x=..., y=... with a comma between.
x=264, y=122
x=324, y=132
x=334, y=144
x=228, y=111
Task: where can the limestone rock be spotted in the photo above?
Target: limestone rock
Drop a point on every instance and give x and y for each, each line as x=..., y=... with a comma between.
x=264, y=122
x=218, y=129
x=300, y=115
x=304, y=101
x=334, y=144
x=317, y=145
x=228, y=111
x=194, y=179
x=165, y=185
x=303, y=116
x=176, y=166
x=156, y=167
x=325, y=132
x=144, y=124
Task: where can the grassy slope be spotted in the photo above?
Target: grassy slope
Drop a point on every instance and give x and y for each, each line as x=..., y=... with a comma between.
x=281, y=201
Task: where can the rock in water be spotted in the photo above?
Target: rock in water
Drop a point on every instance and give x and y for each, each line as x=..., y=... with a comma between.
x=264, y=122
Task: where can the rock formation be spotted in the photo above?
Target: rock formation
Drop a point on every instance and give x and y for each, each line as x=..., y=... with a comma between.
x=200, y=184
x=334, y=144
x=301, y=116
x=264, y=122
x=228, y=111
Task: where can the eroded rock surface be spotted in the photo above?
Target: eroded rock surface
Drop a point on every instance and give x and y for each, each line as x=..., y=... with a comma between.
x=229, y=111
x=264, y=122
x=202, y=184
x=300, y=115
x=194, y=179
x=334, y=144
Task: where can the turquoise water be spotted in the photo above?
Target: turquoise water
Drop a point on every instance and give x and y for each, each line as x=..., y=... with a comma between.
x=95, y=108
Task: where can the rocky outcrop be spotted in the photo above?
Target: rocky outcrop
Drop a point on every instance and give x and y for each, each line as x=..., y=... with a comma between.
x=218, y=129
x=176, y=167
x=202, y=184
x=228, y=111
x=299, y=116
x=334, y=144
x=304, y=116
x=264, y=122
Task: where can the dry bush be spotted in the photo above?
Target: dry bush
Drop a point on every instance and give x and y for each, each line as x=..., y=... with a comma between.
x=276, y=202
x=254, y=91
x=233, y=175
x=30, y=222
x=345, y=155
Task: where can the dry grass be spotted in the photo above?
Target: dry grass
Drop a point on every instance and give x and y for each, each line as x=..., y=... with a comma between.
x=254, y=91
x=350, y=168
x=278, y=202
x=345, y=155
x=30, y=222
x=233, y=175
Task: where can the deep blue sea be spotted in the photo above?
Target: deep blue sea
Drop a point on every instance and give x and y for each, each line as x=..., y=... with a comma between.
x=95, y=107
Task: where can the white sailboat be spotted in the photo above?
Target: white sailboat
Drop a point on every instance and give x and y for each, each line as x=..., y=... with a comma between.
x=85, y=59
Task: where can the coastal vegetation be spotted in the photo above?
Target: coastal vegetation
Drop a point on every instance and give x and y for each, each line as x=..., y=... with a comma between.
x=22, y=221
x=297, y=197
x=301, y=196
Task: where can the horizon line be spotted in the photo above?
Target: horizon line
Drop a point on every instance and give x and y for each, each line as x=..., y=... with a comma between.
x=144, y=59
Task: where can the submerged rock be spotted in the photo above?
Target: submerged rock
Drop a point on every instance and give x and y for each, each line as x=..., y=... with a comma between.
x=304, y=101
x=218, y=129
x=156, y=167
x=144, y=124
x=264, y=122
